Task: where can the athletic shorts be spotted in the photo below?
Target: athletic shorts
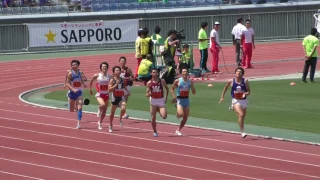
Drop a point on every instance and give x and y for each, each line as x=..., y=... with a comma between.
x=158, y=102
x=242, y=102
x=74, y=96
x=117, y=100
x=129, y=89
x=105, y=97
x=184, y=102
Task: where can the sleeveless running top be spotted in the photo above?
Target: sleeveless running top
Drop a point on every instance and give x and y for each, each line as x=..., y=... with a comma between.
x=237, y=90
x=183, y=88
x=103, y=83
x=76, y=80
x=156, y=89
x=125, y=74
x=118, y=92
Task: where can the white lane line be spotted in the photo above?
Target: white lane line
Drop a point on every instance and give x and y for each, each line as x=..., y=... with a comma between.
x=92, y=162
x=166, y=142
x=20, y=175
x=130, y=157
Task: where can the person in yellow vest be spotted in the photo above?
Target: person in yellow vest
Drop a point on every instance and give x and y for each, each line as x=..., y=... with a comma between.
x=138, y=51
x=146, y=44
x=170, y=46
x=186, y=58
x=144, y=72
x=203, y=46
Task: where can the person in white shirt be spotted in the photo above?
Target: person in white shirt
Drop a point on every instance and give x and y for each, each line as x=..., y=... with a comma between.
x=215, y=47
x=236, y=39
x=248, y=43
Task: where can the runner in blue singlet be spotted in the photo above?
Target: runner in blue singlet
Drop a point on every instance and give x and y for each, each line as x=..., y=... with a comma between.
x=75, y=83
x=240, y=89
x=181, y=97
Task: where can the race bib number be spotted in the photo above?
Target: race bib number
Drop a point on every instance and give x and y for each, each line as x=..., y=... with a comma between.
x=103, y=87
x=76, y=84
x=238, y=95
x=156, y=95
x=184, y=93
x=118, y=93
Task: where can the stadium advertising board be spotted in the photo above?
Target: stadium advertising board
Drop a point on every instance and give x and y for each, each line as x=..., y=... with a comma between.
x=82, y=33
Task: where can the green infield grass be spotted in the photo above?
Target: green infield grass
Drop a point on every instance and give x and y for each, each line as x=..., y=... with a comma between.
x=271, y=103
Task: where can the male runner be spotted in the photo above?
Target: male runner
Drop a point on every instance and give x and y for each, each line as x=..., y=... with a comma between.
x=240, y=89
x=181, y=97
x=127, y=76
x=157, y=100
x=74, y=83
x=84, y=78
x=102, y=94
x=117, y=87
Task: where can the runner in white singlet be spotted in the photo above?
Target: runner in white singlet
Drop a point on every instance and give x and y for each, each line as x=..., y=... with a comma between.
x=102, y=94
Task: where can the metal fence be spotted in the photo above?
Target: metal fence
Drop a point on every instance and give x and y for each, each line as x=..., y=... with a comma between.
x=267, y=26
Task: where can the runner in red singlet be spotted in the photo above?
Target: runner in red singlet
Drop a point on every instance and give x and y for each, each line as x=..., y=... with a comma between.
x=157, y=101
x=127, y=76
x=102, y=94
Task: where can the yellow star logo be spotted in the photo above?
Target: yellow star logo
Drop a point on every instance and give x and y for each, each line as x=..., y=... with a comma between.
x=50, y=36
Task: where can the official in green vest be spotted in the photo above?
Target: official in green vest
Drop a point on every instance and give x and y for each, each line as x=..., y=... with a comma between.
x=310, y=44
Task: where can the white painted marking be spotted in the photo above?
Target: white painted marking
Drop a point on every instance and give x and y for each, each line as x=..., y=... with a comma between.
x=60, y=169
x=166, y=142
x=131, y=157
x=146, y=149
x=20, y=175
x=216, y=140
x=93, y=162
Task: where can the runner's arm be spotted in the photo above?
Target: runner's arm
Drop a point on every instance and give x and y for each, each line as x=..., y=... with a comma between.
x=95, y=76
x=173, y=87
x=82, y=81
x=148, y=93
x=131, y=77
x=128, y=93
x=84, y=77
x=193, y=89
x=112, y=87
x=166, y=87
x=225, y=90
x=65, y=81
x=69, y=77
x=248, y=87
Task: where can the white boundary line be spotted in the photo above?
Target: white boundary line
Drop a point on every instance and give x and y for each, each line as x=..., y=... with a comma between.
x=14, y=174
x=141, y=119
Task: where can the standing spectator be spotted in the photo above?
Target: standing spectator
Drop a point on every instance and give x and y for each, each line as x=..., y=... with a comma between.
x=248, y=43
x=215, y=47
x=138, y=51
x=203, y=46
x=236, y=33
x=310, y=44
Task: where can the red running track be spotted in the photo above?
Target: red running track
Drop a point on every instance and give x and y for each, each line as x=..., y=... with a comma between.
x=40, y=143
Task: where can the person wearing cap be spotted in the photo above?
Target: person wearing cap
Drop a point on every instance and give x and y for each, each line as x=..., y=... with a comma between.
x=138, y=51
x=310, y=45
x=203, y=46
x=215, y=47
x=236, y=38
x=247, y=35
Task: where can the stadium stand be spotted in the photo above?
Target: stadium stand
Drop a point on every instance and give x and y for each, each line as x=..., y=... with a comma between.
x=21, y=7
